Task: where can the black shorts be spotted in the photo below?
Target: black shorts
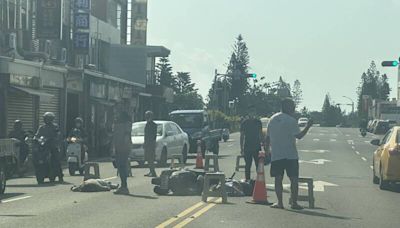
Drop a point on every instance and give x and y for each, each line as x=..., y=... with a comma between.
x=290, y=165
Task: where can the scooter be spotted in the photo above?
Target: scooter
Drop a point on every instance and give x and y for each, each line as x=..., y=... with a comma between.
x=363, y=132
x=41, y=159
x=74, y=156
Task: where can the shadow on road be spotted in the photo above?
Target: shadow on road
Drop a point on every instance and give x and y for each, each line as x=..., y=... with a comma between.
x=319, y=214
x=17, y=216
x=10, y=195
x=141, y=196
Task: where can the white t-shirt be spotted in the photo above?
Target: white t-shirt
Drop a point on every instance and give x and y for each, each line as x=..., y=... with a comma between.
x=282, y=130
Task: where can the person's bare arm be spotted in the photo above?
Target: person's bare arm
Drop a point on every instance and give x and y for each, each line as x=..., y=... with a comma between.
x=305, y=130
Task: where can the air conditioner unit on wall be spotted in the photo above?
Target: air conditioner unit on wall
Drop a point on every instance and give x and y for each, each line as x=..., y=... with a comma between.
x=12, y=40
x=63, y=56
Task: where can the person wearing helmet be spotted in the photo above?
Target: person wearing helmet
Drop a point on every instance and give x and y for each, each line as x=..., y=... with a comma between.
x=19, y=133
x=51, y=132
x=79, y=132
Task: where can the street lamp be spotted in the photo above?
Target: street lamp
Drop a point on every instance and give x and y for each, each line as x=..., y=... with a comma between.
x=352, y=104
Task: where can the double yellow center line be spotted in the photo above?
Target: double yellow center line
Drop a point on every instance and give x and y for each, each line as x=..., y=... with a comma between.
x=212, y=202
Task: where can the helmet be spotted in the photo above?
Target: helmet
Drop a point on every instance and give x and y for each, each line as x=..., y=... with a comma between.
x=48, y=117
x=78, y=120
x=17, y=123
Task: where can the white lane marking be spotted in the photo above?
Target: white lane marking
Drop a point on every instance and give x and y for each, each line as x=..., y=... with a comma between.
x=371, y=167
x=321, y=134
x=316, y=140
x=333, y=140
x=110, y=178
x=367, y=142
x=230, y=145
x=364, y=159
x=319, y=186
x=358, y=153
x=15, y=199
x=335, y=135
x=314, y=151
x=347, y=135
x=353, y=147
x=351, y=142
x=316, y=161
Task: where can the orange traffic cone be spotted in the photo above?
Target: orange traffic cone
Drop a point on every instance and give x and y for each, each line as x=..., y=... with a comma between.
x=199, y=158
x=260, y=191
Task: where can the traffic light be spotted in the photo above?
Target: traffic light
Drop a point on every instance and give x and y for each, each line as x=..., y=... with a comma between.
x=253, y=75
x=390, y=63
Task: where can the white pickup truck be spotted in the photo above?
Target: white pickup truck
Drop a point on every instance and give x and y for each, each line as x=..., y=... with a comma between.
x=9, y=151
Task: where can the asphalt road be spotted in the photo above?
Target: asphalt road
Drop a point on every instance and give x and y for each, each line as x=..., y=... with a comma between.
x=337, y=159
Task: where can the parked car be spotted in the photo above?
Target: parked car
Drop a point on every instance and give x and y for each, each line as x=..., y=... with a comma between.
x=386, y=159
x=369, y=125
x=171, y=140
x=392, y=123
x=197, y=124
x=9, y=151
x=373, y=125
x=381, y=127
x=303, y=122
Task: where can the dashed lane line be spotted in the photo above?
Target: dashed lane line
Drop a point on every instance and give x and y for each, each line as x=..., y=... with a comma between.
x=316, y=140
x=358, y=153
x=364, y=159
x=110, y=178
x=15, y=199
x=333, y=140
x=371, y=167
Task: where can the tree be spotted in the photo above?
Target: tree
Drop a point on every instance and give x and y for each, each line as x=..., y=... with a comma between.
x=297, y=93
x=183, y=83
x=165, y=76
x=383, y=88
x=331, y=114
x=239, y=65
x=186, y=95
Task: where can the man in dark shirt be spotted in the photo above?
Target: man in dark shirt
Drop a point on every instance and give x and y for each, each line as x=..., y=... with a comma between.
x=19, y=133
x=150, y=136
x=250, y=141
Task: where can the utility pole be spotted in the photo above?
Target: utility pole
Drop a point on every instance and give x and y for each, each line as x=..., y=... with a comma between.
x=352, y=104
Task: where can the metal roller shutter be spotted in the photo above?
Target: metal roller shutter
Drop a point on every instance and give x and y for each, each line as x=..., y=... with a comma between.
x=52, y=106
x=21, y=107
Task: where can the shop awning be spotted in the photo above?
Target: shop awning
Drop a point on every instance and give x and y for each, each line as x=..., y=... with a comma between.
x=44, y=97
x=104, y=102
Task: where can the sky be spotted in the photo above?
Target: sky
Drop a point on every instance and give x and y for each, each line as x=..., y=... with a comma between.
x=326, y=45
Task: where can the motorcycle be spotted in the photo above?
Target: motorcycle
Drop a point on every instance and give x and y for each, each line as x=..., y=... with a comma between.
x=41, y=159
x=363, y=132
x=74, y=156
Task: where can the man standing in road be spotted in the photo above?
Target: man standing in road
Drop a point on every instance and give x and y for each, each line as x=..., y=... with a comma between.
x=250, y=141
x=122, y=145
x=150, y=136
x=281, y=136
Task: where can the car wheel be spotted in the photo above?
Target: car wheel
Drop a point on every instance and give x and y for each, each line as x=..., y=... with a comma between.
x=163, y=158
x=3, y=179
x=375, y=179
x=184, y=154
x=383, y=184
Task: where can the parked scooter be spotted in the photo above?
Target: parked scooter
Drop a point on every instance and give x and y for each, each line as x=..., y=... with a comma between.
x=74, y=155
x=41, y=159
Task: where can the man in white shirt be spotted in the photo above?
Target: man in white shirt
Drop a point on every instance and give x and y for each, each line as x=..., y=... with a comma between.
x=282, y=133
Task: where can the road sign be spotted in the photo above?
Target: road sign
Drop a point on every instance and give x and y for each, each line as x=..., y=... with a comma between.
x=316, y=161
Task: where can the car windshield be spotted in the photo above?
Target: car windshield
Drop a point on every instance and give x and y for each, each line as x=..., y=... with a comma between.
x=138, y=129
x=188, y=120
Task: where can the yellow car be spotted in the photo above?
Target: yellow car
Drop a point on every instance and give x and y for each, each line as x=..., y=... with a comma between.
x=386, y=160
